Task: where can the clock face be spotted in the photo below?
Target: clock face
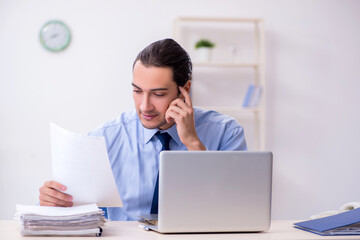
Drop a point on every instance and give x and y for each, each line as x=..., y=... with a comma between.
x=55, y=36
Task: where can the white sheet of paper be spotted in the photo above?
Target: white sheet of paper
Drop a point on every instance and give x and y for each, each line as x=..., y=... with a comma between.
x=56, y=211
x=81, y=163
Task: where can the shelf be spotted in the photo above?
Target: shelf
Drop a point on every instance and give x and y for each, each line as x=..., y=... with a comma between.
x=245, y=60
x=210, y=19
x=219, y=64
x=232, y=109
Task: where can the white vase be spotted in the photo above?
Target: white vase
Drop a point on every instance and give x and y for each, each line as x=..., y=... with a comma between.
x=203, y=54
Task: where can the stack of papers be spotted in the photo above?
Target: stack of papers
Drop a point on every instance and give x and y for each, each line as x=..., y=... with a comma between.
x=84, y=220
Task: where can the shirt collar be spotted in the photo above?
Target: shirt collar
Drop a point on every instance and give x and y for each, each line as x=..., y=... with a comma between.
x=174, y=134
x=149, y=133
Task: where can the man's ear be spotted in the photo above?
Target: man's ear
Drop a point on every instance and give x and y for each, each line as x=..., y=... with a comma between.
x=187, y=86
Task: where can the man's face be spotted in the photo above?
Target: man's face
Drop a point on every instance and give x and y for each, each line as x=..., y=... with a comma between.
x=153, y=91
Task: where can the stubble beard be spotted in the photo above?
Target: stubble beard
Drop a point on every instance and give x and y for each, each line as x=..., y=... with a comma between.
x=143, y=122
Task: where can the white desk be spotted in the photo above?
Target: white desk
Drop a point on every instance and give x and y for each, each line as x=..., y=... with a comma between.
x=10, y=230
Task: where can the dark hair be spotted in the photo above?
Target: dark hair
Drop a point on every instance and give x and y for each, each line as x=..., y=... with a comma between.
x=168, y=53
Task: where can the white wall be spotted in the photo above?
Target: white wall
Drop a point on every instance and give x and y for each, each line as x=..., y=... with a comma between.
x=312, y=76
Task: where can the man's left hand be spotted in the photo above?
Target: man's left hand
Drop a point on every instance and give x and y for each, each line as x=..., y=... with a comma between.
x=181, y=112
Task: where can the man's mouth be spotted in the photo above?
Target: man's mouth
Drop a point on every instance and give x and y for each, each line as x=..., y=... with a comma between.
x=149, y=117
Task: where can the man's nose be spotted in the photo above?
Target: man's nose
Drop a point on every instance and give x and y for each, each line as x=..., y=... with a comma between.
x=146, y=104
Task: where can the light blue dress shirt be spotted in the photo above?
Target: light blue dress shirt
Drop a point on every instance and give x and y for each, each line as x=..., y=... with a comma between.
x=134, y=154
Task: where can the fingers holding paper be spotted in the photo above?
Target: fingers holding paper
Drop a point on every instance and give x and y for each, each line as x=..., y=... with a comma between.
x=51, y=195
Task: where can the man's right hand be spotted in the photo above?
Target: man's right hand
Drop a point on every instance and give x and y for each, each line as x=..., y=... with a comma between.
x=51, y=195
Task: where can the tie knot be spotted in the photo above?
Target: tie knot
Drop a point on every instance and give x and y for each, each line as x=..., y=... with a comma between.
x=164, y=139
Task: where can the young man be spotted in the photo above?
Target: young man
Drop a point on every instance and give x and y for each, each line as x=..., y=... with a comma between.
x=161, y=85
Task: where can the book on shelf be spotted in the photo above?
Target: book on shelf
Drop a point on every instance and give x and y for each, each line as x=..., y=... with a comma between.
x=83, y=220
x=253, y=95
x=346, y=221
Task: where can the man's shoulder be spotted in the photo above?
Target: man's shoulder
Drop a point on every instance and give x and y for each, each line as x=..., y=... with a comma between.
x=124, y=120
x=213, y=117
x=219, y=131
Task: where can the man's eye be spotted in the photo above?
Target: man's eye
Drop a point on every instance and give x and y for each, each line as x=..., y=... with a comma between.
x=159, y=94
x=136, y=91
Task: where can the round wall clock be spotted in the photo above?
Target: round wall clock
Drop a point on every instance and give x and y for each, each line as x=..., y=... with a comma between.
x=55, y=36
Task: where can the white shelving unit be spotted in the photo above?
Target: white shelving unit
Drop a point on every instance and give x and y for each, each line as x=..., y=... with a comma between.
x=238, y=60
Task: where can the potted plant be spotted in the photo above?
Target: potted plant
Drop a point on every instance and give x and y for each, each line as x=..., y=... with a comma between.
x=203, y=48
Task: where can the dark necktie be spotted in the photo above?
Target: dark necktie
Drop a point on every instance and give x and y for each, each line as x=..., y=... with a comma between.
x=164, y=139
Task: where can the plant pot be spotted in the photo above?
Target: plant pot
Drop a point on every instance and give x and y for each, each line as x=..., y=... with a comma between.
x=203, y=54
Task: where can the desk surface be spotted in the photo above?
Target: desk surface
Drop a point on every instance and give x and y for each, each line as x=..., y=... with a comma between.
x=10, y=230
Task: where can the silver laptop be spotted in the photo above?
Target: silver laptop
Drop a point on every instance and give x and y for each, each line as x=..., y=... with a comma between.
x=214, y=191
